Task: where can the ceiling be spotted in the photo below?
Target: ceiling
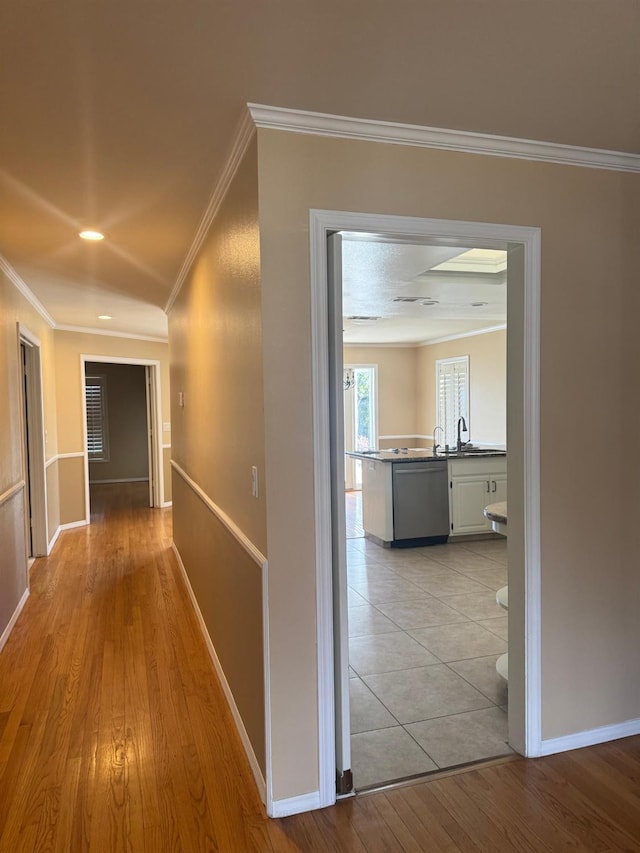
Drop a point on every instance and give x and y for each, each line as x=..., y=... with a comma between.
x=120, y=114
x=411, y=294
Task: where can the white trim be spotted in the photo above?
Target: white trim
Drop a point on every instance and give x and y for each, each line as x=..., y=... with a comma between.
x=589, y=737
x=166, y=447
x=87, y=330
x=75, y=455
x=266, y=653
x=221, y=515
x=121, y=480
x=244, y=737
x=53, y=540
x=296, y=805
x=242, y=138
x=11, y=492
x=166, y=504
x=501, y=328
x=28, y=294
x=71, y=525
x=413, y=435
x=369, y=130
x=14, y=619
x=321, y=224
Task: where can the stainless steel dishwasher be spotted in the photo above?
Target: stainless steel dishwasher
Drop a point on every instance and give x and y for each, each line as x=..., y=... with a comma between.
x=420, y=502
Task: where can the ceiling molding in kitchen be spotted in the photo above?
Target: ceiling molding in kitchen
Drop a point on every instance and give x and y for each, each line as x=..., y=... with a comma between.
x=26, y=291
x=324, y=124
x=460, y=335
x=243, y=136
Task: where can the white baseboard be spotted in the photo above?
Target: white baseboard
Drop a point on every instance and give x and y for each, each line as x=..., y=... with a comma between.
x=244, y=737
x=590, y=737
x=12, y=621
x=295, y=805
x=121, y=480
x=166, y=504
x=68, y=526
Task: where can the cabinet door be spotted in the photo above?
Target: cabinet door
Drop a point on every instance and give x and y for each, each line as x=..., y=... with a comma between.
x=469, y=496
x=498, y=488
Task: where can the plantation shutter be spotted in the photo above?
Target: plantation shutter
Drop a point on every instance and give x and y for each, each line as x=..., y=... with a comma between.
x=97, y=433
x=452, y=396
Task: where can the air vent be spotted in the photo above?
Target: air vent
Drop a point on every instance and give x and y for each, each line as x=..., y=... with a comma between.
x=356, y=318
x=429, y=302
x=407, y=299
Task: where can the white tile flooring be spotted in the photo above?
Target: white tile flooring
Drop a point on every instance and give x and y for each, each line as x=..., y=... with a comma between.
x=425, y=632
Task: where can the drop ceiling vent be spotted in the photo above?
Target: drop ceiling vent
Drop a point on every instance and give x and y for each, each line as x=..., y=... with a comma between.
x=363, y=318
x=407, y=298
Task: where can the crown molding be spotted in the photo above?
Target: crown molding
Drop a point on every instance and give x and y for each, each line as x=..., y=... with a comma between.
x=87, y=330
x=28, y=294
x=473, y=334
x=324, y=124
x=243, y=136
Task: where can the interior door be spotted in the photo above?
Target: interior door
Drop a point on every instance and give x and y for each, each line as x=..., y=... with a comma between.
x=338, y=522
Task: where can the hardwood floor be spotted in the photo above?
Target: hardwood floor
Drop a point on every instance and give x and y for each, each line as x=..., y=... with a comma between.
x=115, y=736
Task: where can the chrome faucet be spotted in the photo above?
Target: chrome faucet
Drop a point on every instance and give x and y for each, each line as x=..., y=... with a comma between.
x=461, y=423
x=435, y=443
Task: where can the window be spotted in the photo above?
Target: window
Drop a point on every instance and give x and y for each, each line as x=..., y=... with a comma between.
x=97, y=424
x=452, y=397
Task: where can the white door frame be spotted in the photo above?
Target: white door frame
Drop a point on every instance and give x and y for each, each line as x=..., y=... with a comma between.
x=157, y=470
x=37, y=472
x=525, y=732
x=350, y=480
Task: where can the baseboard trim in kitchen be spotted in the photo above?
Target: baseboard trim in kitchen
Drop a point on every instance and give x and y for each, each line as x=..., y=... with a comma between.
x=590, y=737
x=295, y=805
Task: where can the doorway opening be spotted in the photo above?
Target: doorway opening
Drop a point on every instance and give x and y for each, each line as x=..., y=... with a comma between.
x=32, y=423
x=122, y=421
x=522, y=246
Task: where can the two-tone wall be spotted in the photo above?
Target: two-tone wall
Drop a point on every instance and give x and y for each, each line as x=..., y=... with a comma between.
x=15, y=310
x=217, y=409
x=64, y=477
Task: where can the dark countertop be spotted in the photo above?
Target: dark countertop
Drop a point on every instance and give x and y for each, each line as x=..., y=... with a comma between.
x=423, y=454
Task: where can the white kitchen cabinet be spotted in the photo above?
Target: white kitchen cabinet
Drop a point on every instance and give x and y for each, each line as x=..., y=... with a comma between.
x=377, y=499
x=473, y=484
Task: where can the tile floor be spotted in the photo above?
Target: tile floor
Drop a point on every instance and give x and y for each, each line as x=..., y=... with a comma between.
x=425, y=632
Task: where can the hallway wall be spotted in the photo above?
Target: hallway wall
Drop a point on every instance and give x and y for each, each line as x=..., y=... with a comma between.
x=14, y=309
x=218, y=435
x=590, y=672
x=68, y=348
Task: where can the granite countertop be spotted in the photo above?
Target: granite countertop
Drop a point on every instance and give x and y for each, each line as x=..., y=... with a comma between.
x=497, y=512
x=423, y=454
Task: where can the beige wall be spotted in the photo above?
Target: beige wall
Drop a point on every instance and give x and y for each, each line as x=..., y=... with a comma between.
x=218, y=435
x=15, y=309
x=69, y=346
x=487, y=385
x=127, y=423
x=396, y=386
x=590, y=671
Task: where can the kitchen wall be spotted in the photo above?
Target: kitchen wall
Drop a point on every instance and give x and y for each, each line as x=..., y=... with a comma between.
x=487, y=385
x=590, y=672
x=407, y=392
x=127, y=423
x=220, y=529
x=14, y=309
x=397, y=379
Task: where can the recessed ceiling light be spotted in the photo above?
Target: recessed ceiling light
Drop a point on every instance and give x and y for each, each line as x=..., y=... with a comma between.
x=88, y=234
x=105, y=317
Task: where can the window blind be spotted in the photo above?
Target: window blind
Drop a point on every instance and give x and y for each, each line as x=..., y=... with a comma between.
x=453, y=396
x=97, y=426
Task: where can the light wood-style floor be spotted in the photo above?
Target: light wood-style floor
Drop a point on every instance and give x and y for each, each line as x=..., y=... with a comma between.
x=115, y=736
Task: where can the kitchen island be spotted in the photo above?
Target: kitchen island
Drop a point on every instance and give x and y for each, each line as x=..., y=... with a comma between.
x=412, y=497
